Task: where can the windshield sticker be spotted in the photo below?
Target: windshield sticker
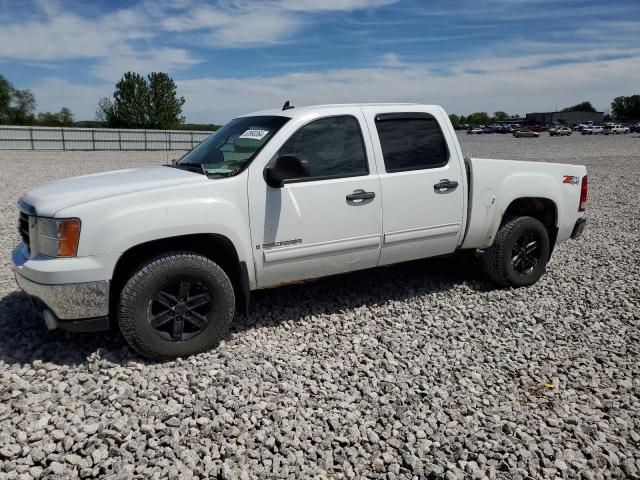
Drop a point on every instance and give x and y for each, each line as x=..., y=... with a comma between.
x=254, y=134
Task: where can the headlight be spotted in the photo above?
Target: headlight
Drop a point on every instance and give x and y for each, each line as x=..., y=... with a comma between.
x=58, y=237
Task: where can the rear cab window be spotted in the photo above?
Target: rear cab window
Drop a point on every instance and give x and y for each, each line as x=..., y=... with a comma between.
x=411, y=141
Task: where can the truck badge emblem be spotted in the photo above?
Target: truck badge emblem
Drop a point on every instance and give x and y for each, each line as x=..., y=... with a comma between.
x=570, y=179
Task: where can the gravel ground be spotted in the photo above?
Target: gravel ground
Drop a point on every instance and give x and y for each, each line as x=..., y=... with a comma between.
x=412, y=371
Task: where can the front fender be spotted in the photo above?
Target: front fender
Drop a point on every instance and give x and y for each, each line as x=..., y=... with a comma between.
x=114, y=225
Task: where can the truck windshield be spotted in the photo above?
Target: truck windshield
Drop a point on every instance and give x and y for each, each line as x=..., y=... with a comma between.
x=230, y=149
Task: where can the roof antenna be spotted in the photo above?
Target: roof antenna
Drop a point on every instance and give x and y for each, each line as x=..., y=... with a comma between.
x=287, y=106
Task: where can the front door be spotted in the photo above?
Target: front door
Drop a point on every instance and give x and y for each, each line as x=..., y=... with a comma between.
x=328, y=222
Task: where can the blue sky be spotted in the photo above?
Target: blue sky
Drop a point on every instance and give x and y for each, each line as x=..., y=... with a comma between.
x=234, y=56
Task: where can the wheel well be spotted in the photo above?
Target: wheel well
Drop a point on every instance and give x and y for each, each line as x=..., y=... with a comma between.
x=217, y=248
x=539, y=208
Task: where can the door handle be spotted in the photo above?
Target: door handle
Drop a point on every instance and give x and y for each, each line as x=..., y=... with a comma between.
x=444, y=185
x=360, y=195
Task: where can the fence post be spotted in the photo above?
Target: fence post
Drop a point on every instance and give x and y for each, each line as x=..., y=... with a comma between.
x=93, y=138
x=191, y=139
x=169, y=140
x=119, y=140
x=31, y=138
x=145, y=139
x=64, y=146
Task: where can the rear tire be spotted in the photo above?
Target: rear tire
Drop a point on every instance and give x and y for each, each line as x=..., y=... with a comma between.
x=176, y=304
x=519, y=254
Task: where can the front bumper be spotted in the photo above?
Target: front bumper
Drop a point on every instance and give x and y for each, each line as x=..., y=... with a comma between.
x=65, y=292
x=70, y=301
x=80, y=307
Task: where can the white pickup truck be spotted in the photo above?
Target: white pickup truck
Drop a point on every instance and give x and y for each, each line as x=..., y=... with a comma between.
x=169, y=253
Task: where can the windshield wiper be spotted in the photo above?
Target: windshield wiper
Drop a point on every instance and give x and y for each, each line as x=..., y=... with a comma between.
x=191, y=167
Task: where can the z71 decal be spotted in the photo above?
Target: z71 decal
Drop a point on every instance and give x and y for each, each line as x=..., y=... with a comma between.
x=570, y=179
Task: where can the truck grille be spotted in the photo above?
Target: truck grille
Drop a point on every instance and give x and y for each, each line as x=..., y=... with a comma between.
x=23, y=228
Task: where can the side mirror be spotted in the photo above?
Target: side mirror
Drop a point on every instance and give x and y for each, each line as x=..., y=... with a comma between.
x=286, y=167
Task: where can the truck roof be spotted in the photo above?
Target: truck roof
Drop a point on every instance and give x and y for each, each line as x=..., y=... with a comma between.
x=299, y=111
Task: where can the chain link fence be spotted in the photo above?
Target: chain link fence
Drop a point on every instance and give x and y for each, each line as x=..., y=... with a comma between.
x=56, y=138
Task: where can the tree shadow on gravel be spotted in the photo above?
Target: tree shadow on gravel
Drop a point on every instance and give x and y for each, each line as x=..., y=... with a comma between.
x=25, y=339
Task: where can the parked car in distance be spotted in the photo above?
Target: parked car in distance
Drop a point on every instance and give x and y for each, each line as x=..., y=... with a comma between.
x=615, y=129
x=635, y=128
x=168, y=254
x=535, y=128
x=583, y=125
x=592, y=130
x=487, y=130
x=559, y=132
x=525, y=132
x=476, y=131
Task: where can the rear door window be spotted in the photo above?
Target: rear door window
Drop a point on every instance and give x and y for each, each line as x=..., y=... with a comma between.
x=411, y=141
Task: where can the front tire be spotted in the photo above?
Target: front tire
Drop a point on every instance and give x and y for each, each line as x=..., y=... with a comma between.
x=176, y=304
x=519, y=254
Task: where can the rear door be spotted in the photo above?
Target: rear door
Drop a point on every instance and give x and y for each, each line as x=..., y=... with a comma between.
x=421, y=181
x=329, y=222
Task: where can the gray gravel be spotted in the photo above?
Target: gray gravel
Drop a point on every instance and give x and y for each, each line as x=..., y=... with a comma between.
x=413, y=371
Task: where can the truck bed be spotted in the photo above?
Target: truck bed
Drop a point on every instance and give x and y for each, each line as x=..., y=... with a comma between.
x=494, y=184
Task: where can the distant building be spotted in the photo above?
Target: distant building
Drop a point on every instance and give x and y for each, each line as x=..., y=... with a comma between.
x=510, y=121
x=567, y=118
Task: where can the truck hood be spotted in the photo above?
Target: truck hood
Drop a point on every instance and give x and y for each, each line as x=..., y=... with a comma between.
x=54, y=196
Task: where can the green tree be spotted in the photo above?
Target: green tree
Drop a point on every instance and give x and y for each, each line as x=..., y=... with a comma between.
x=142, y=103
x=23, y=105
x=131, y=101
x=63, y=118
x=580, y=107
x=455, y=119
x=105, y=113
x=6, y=93
x=165, y=107
x=625, y=109
x=500, y=116
x=47, y=119
x=16, y=106
x=479, y=118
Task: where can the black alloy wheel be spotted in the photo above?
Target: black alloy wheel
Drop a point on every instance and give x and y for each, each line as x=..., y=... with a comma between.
x=519, y=254
x=176, y=304
x=181, y=310
x=525, y=254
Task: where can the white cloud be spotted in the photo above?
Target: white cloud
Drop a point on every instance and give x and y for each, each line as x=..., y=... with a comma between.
x=528, y=75
x=512, y=89
x=240, y=22
x=390, y=60
x=110, y=39
x=159, y=60
x=217, y=27
x=64, y=37
x=485, y=84
x=331, y=5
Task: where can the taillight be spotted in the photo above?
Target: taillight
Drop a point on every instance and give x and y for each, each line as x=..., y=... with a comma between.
x=583, y=194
